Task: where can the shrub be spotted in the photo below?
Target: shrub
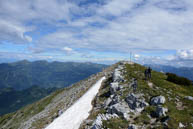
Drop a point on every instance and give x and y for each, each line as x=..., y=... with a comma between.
x=178, y=80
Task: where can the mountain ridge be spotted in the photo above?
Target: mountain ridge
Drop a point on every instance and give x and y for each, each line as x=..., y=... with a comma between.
x=156, y=103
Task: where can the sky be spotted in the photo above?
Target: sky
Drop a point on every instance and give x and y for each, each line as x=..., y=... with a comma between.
x=101, y=31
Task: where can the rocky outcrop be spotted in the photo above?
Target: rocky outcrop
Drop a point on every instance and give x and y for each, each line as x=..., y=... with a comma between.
x=97, y=124
x=189, y=98
x=113, y=99
x=136, y=102
x=114, y=86
x=117, y=77
x=158, y=100
x=121, y=109
x=161, y=111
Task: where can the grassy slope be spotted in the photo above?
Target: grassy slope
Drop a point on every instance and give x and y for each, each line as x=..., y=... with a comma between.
x=160, y=87
x=169, y=90
x=15, y=120
x=20, y=116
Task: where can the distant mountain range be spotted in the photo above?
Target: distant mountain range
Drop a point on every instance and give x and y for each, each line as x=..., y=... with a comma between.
x=24, y=74
x=25, y=82
x=181, y=71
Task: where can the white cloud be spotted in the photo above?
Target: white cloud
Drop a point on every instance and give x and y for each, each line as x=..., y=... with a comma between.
x=114, y=26
x=143, y=27
x=13, y=33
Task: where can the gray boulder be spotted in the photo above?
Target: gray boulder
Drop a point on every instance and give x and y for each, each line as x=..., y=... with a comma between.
x=107, y=102
x=132, y=126
x=135, y=102
x=161, y=111
x=158, y=100
x=114, y=86
x=98, y=123
x=112, y=100
x=117, y=77
x=181, y=125
x=120, y=109
x=189, y=98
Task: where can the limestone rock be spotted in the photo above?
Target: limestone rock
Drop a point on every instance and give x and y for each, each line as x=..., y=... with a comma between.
x=189, y=98
x=132, y=126
x=112, y=100
x=135, y=102
x=99, y=120
x=114, y=86
x=161, y=111
x=158, y=100
x=117, y=77
x=181, y=125
x=120, y=109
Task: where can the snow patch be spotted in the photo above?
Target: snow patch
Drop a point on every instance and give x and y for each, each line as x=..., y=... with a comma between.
x=78, y=112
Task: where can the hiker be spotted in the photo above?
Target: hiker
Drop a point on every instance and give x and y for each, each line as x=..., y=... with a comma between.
x=146, y=74
x=149, y=72
x=135, y=85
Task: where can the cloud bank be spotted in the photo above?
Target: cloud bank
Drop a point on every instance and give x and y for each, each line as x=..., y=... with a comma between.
x=152, y=29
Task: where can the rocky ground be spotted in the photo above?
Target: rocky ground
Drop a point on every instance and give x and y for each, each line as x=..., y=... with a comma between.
x=127, y=101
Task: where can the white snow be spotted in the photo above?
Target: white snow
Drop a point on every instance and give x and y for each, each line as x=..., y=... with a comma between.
x=79, y=111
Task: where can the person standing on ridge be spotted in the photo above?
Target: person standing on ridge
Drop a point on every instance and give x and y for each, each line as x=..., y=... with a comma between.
x=146, y=74
x=135, y=85
x=149, y=72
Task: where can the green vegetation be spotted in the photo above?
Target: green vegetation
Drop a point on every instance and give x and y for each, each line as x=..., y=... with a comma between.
x=173, y=93
x=27, y=112
x=178, y=80
x=11, y=99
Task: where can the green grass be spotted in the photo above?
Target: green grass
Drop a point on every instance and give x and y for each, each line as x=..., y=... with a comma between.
x=115, y=123
x=160, y=87
x=26, y=112
x=159, y=80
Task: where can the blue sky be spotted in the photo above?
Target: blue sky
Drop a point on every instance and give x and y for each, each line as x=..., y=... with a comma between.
x=102, y=31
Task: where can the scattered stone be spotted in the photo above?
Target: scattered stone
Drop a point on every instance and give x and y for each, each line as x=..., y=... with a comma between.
x=117, y=77
x=114, y=86
x=97, y=124
x=107, y=102
x=135, y=103
x=112, y=100
x=59, y=112
x=120, y=109
x=179, y=106
x=161, y=111
x=181, y=125
x=189, y=98
x=177, y=100
x=150, y=84
x=132, y=126
x=158, y=100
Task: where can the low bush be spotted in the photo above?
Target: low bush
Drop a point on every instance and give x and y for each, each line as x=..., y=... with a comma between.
x=178, y=80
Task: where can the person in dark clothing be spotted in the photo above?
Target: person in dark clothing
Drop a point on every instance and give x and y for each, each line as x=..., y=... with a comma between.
x=149, y=72
x=135, y=85
x=146, y=74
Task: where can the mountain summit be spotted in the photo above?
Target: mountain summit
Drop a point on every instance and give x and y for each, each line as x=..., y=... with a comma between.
x=125, y=100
